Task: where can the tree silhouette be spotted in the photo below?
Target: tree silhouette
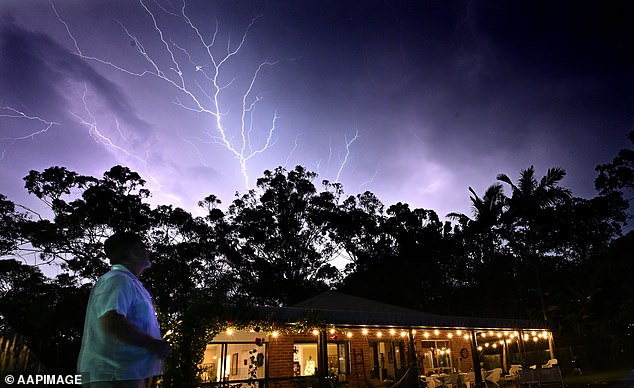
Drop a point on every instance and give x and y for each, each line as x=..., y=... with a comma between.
x=282, y=246
x=530, y=207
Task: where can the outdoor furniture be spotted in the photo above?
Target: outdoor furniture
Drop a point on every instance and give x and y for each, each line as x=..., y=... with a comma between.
x=469, y=379
x=540, y=377
x=451, y=380
x=376, y=383
x=512, y=376
x=550, y=363
x=493, y=377
x=434, y=381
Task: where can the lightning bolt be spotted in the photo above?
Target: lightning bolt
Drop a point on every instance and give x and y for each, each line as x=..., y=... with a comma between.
x=371, y=180
x=101, y=138
x=290, y=154
x=12, y=113
x=347, y=155
x=207, y=98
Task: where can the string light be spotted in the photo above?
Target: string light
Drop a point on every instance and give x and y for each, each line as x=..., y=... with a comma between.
x=480, y=348
x=332, y=331
x=349, y=334
x=275, y=334
x=392, y=331
x=466, y=337
x=364, y=331
x=315, y=332
x=449, y=335
x=436, y=332
x=494, y=345
x=379, y=334
x=229, y=331
x=458, y=332
x=403, y=334
x=426, y=335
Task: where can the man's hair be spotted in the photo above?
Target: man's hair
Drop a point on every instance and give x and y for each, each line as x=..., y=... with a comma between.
x=119, y=244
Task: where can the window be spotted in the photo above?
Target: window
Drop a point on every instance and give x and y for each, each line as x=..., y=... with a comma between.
x=437, y=356
x=338, y=358
x=233, y=357
x=306, y=361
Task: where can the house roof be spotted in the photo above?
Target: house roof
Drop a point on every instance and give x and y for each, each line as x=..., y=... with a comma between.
x=342, y=309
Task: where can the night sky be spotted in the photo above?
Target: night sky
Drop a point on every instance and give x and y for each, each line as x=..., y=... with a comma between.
x=412, y=100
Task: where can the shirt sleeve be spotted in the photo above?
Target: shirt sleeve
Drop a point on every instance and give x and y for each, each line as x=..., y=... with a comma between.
x=114, y=294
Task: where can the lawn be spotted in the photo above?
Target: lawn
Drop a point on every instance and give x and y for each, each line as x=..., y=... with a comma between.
x=613, y=378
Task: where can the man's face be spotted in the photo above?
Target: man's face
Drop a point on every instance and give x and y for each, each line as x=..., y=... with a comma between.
x=139, y=259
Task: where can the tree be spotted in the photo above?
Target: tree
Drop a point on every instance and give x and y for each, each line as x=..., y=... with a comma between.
x=484, y=259
x=527, y=219
x=85, y=210
x=357, y=227
x=10, y=220
x=482, y=231
x=47, y=313
x=281, y=246
x=619, y=175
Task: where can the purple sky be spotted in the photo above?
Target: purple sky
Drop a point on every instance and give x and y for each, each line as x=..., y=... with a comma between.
x=442, y=95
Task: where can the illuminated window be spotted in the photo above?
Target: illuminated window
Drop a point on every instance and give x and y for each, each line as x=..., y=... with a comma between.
x=306, y=361
x=233, y=357
x=232, y=361
x=437, y=356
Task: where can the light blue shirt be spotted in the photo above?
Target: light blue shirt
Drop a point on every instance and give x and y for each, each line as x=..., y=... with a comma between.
x=105, y=358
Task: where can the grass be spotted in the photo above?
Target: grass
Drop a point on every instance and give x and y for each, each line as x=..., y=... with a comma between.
x=611, y=378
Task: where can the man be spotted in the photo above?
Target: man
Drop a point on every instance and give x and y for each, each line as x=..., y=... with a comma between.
x=122, y=345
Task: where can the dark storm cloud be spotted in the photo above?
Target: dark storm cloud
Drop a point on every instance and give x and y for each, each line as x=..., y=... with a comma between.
x=444, y=94
x=32, y=58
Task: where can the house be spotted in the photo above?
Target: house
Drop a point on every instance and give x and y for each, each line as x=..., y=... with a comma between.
x=360, y=342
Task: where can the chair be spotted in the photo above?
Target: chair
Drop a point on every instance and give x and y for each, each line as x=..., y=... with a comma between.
x=451, y=381
x=493, y=377
x=469, y=379
x=550, y=363
x=433, y=382
x=513, y=373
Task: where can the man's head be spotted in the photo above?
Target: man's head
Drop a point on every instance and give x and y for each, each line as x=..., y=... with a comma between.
x=128, y=249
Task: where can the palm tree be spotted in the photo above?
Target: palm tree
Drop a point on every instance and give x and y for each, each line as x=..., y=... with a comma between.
x=529, y=196
x=482, y=232
x=486, y=210
x=530, y=201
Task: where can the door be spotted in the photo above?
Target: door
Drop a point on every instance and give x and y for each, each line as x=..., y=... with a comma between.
x=389, y=360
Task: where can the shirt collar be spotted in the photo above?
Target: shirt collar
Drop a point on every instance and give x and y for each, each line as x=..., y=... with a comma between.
x=121, y=267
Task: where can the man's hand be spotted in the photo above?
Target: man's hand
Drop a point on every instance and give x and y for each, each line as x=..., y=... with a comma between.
x=160, y=347
x=122, y=329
